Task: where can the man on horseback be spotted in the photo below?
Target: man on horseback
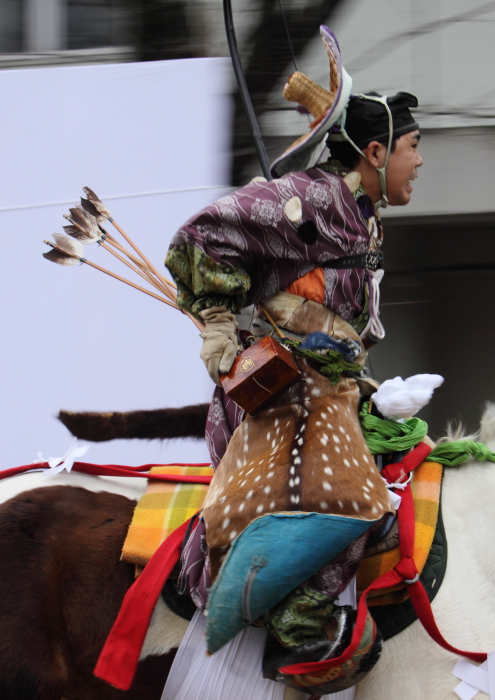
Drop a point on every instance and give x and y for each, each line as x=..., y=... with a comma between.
x=296, y=493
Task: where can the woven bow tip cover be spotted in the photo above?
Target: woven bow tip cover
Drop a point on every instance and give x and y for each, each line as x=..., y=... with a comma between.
x=326, y=106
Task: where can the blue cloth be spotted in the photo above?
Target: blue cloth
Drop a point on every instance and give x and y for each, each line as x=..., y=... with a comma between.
x=271, y=557
x=321, y=341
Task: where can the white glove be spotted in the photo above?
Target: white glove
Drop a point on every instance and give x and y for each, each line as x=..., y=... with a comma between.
x=219, y=341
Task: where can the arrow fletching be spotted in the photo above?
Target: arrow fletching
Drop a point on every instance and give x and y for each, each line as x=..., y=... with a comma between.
x=69, y=245
x=97, y=203
x=60, y=258
x=90, y=208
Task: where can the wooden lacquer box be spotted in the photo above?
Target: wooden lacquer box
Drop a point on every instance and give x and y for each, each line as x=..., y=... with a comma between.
x=259, y=374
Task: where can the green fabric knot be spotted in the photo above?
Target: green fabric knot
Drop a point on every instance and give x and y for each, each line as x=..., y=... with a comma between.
x=383, y=436
x=453, y=454
x=332, y=365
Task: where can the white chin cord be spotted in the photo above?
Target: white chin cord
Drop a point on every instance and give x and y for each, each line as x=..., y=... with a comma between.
x=374, y=327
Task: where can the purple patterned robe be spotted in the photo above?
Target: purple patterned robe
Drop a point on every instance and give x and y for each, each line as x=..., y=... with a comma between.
x=244, y=248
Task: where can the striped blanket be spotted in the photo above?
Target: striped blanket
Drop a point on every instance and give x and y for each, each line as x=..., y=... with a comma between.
x=426, y=493
x=162, y=509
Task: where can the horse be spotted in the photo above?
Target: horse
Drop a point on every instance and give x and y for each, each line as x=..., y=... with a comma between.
x=412, y=666
x=62, y=583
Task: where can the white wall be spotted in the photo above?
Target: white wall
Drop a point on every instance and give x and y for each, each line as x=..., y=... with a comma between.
x=72, y=337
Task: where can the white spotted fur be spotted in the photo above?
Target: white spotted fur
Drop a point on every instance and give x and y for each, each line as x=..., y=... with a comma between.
x=164, y=633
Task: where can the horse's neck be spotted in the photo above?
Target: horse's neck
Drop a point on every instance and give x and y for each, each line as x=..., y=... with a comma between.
x=468, y=504
x=463, y=606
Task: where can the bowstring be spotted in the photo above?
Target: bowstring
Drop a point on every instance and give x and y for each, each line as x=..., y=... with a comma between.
x=309, y=117
x=288, y=34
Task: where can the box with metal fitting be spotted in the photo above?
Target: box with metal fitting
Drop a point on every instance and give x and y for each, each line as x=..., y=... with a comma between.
x=259, y=374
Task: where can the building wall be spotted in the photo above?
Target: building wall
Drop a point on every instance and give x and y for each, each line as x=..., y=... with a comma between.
x=437, y=309
x=439, y=284
x=40, y=32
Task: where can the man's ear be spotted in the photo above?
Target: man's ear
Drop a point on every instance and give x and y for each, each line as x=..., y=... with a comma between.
x=375, y=153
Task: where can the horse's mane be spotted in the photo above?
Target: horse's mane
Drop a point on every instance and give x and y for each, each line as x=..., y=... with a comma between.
x=456, y=430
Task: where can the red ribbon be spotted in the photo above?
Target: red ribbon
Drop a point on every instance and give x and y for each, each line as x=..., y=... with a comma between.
x=119, y=657
x=141, y=472
x=404, y=570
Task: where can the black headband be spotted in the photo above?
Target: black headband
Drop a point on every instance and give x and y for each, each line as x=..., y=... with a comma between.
x=367, y=120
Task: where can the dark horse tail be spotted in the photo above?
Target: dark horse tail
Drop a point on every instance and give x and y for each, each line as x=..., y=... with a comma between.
x=162, y=423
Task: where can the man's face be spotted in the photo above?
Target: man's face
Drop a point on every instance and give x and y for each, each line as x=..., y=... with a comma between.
x=402, y=169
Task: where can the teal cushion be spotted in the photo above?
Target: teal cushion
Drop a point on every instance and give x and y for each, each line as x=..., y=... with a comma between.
x=270, y=558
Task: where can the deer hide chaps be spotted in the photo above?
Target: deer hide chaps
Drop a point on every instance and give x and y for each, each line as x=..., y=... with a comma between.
x=296, y=486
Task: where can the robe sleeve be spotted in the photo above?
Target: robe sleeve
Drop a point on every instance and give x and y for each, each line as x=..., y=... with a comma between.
x=245, y=247
x=203, y=283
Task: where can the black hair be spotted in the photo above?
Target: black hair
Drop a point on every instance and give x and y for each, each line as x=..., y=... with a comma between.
x=347, y=154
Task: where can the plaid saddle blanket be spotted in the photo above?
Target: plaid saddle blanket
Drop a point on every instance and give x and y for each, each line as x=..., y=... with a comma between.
x=426, y=486
x=161, y=510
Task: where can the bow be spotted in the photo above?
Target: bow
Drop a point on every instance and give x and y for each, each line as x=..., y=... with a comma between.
x=243, y=90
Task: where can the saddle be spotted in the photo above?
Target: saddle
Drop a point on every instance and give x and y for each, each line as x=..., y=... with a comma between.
x=426, y=487
x=165, y=506
x=161, y=510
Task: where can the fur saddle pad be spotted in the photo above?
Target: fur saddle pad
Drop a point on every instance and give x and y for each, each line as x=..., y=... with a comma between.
x=162, y=509
x=426, y=485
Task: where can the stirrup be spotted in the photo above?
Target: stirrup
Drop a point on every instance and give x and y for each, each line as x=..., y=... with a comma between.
x=331, y=680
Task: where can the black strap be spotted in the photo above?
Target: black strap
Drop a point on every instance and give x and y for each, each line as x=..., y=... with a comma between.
x=371, y=260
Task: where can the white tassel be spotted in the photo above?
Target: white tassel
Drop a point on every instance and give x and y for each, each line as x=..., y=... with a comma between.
x=475, y=679
x=58, y=464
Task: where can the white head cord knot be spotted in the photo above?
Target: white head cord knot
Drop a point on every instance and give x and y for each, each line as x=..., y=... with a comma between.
x=374, y=326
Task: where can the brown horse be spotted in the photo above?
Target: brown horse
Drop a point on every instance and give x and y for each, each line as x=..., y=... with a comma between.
x=61, y=578
x=61, y=587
